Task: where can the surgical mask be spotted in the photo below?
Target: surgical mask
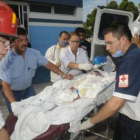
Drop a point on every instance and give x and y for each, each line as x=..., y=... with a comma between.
x=118, y=54
x=64, y=44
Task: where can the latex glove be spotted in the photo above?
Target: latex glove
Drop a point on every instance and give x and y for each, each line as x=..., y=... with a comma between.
x=85, y=66
x=85, y=125
x=2, y=122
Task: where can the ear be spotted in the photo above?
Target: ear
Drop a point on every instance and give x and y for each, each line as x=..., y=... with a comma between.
x=123, y=39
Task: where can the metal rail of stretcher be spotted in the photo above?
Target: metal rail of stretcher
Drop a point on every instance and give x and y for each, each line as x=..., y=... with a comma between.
x=91, y=130
x=55, y=132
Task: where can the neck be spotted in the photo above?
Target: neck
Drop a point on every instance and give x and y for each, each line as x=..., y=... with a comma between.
x=126, y=47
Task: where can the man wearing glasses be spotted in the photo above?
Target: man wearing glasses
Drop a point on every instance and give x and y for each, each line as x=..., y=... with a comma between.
x=8, y=30
x=18, y=68
x=126, y=97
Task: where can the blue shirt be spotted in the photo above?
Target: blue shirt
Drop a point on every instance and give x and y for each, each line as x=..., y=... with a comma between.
x=18, y=72
x=128, y=75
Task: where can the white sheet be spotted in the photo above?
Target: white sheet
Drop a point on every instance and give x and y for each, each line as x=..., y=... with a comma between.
x=56, y=105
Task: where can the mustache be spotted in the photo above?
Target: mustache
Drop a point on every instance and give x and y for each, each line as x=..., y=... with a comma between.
x=25, y=45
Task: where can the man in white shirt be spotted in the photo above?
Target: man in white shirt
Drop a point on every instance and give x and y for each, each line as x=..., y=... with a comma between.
x=53, y=53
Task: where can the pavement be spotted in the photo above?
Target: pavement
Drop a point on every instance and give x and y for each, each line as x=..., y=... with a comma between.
x=38, y=88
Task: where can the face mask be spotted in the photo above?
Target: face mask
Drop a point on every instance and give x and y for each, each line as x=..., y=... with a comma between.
x=118, y=54
x=64, y=44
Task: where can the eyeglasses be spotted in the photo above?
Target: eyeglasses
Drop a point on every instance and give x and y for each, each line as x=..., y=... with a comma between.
x=77, y=42
x=109, y=43
x=5, y=43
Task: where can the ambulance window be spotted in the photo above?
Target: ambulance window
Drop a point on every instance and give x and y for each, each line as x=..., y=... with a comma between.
x=107, y=19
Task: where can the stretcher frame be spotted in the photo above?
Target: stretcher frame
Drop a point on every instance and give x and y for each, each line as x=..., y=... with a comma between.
x=59, y=132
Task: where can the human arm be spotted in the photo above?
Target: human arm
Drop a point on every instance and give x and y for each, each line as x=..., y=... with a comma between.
x=55, y=69
x=86, y=66
x=110, y=108
x=8, y=92
x=52, y=55
x=3, y=133
x=136, y=40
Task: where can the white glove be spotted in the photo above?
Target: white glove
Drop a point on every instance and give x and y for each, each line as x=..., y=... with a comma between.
x=85, y=125
x=2, y=122
x=85, y=66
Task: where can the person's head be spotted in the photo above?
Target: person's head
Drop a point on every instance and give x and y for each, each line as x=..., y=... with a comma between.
x=117, y=38
x=4, y=46
x=20, y=44
x=74, y=41
x=63, y=38
x=8, y=28
x=81, y=31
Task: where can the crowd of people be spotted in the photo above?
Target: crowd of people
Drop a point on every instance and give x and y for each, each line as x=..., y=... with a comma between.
x=68, y=58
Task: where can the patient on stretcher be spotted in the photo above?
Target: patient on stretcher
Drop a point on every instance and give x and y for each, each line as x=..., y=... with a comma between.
x=66, y=101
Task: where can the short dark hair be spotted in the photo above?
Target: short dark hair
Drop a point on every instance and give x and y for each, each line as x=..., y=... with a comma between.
x=118, y=29
x=80, y=30
x=21, y=31
x=62, y=33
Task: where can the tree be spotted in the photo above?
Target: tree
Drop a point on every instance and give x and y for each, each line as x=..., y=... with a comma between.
x=129, y=6
x=113, y=4
x=124, y=5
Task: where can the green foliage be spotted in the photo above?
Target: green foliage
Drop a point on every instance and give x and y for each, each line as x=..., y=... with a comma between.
x=112, y=4
x=124, y=5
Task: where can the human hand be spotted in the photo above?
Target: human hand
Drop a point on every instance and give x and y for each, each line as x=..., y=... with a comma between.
x=13, y=106
x=85, y=66
x=58, y=64
x=86, y=124
x=68, y=76
x=2, y=122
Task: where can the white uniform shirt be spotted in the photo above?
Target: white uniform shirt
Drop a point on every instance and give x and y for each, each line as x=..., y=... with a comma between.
x=67, y=56
x=52, y=55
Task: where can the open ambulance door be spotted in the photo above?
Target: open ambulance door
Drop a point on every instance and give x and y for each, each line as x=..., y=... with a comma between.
x=104, y=18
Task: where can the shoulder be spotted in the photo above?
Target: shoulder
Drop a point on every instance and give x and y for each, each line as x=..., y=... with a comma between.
x=81, y=50
x=133, y=56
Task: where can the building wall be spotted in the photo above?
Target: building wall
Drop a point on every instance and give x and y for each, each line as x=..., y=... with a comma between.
x=44, y=28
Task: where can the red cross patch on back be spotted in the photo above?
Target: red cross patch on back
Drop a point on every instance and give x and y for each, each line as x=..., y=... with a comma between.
x=123, y=81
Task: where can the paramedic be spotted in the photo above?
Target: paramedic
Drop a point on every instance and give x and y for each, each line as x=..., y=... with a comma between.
x=8, y=29
x=74, y=59
x=83, y=43
x=126, y=97
x=18, y=68
x=53, y=53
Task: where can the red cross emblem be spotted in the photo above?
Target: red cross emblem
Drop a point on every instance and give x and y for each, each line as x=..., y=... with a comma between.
x=123, y=81
x=123, y=78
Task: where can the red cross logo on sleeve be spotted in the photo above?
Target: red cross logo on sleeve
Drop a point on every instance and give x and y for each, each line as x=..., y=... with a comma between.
x=123, y=78
x=123, y=81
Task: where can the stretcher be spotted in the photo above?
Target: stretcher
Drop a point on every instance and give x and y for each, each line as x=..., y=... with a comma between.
x=57, y=132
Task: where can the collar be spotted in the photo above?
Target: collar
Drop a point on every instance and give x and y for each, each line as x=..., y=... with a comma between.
x=72, y=52
x=58, y=46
